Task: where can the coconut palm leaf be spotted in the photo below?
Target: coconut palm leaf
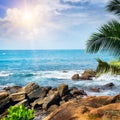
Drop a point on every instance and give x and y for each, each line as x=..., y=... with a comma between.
x=104, y=67
x=114, y=6
x=106, y=39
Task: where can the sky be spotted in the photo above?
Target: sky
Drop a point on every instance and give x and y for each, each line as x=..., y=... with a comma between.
x=50, y=24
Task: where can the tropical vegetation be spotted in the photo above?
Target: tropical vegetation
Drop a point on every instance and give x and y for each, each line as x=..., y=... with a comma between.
x=19, y=113
x=107, y=39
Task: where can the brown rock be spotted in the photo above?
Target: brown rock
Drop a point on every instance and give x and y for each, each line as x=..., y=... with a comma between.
x=78, y=92
x=34, y=91
x=89, y=108
x=37, y=103
x=25, y=102
x=39, y=92
x=30, y=87
x=50, y=100
x=13, y=89
x=4, y=100
x=62, y=89
x=3, y=95
x=95, y=89
x=16, y=97
x=52, y=108
x=87, y=75
x=75, y=77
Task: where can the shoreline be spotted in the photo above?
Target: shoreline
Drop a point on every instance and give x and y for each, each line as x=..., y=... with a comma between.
x=44, y=100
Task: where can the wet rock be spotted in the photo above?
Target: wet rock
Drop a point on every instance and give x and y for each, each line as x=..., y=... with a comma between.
x=76, y=92
x=109, y=85
x=13, y=89
x=75, y=77
x=51, y=99
x=16, y=97
x=65, y=71
x=62, y=89
x=95, y=89
x=87, y=75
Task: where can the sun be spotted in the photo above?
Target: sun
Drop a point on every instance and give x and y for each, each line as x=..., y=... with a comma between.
x=28, y=19
x=27, y=16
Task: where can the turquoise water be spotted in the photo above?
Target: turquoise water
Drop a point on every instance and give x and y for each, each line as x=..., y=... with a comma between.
x=46, y=67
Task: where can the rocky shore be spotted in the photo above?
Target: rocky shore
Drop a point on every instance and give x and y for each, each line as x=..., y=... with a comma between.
x=62, y=103
x=43, y=100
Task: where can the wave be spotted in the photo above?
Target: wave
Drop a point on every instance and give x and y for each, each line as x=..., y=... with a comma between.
x=5, y=74
x=54, y=78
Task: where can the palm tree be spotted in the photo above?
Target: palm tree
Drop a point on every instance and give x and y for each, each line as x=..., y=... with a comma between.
x=107, y=38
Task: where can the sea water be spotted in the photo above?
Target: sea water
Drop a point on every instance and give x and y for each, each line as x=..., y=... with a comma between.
x=53, y=67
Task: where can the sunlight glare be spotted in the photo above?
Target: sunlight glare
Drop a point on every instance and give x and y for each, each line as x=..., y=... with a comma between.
x=27, y=16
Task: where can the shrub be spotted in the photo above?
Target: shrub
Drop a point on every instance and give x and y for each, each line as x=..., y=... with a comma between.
x=19, y=113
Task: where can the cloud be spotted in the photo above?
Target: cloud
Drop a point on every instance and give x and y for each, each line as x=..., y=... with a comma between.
x=48, y=16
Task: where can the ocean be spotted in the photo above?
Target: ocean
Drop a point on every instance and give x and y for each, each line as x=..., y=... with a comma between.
x=53, y=67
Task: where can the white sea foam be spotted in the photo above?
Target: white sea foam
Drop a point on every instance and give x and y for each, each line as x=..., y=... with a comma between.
x=5, y=74
x=58, y=74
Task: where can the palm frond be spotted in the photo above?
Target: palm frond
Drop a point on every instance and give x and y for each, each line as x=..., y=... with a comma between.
x=106, y=39
x=114, y=6
x=104, y=67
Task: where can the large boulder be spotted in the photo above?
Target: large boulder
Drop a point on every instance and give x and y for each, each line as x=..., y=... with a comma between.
x=34, y=91
x=87, y=75
x=13, y=89
x=30, y=87
x=38, y=103
x=89, y=108
x=62, y=89
x=16, y=97
x=51, y=99
x=4, y=100
x=75, y=77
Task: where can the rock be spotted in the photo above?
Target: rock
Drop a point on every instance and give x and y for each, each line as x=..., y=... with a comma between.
x=109, y=85
x=87, y=75
x=75, y=77
x=30, y=87
x=3, y=95
x=13, y=89
x=62, y=89
x=67, y=97
x=65, y=71
x=16, y=97
x=35, y=94
x=37, y=103
x=89, y=108
x=25, y=102
x=4, y=100
x=52, y=108
x=95, y=89
x=34, y=91
x=62, y=102
x=51, y=100
x=76, y=92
